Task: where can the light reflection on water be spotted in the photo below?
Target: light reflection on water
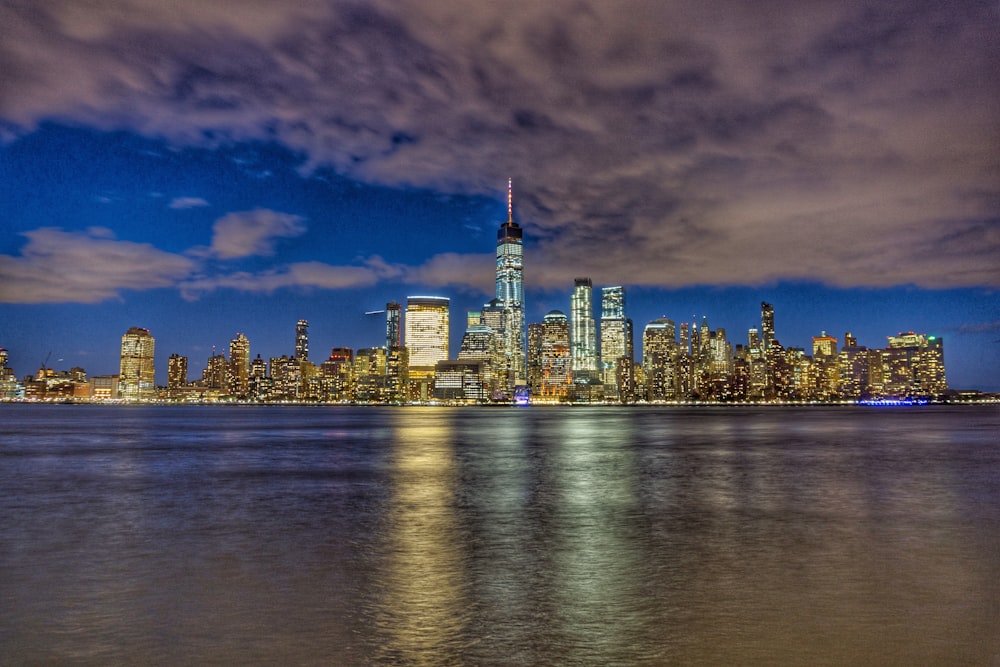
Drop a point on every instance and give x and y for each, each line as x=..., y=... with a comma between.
x=435, y=536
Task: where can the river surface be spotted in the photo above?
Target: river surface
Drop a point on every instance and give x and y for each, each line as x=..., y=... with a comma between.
x=499, y=536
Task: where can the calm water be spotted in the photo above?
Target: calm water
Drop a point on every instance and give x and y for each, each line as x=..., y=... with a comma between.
x=499, y=536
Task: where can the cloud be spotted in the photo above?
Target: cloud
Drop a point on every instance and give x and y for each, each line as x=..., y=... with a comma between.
x=663, y=144
x=187, y=202
x=304, y=275
x=472, y=271
x=979, y=327
x=56, y=266
x=249, y=233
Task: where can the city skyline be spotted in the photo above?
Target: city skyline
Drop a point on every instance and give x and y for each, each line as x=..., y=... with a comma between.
x=689, y=362
x=201, y=174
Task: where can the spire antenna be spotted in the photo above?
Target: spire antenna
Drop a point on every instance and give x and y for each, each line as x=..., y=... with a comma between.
x=510, y=201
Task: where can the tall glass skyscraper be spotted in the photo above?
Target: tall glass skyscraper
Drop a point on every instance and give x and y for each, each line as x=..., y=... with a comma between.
x=137, y=374
x=583, y=331
x=393, y=313
x=614, y=333
x=510, y=294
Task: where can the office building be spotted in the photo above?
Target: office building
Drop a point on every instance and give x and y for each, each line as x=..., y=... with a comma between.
x=659, y=352
x=583, y=334
x=426, y=338
x=137, y=374
x=533, y=357
x=302, y=340
x=238, y=383
x=614, y=335
x=556, y=357
x=177, y=371
x=510, y=295
x=393, y=331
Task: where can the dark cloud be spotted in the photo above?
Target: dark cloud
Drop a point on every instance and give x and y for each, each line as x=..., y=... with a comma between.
x=654, y=143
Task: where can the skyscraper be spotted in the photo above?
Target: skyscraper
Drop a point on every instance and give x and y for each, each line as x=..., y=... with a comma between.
x=177, y=370
x=137, y=374
x=510, y=294
x=583, y=334
x=393, y=313
x=659, y=356
x=426, y=328
x=771, y=362
x=614, y=334
x=302, y=340
x=238, y=383
x=556, y=360
x=766, y=326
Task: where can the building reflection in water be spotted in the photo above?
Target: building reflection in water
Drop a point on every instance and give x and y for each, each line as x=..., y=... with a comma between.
x=605, y=613
x=423, y=606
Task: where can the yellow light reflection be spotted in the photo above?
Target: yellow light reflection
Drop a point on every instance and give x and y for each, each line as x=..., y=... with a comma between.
x=423, y=609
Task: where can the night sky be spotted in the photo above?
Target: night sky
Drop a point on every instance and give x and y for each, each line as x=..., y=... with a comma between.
x=205, y=168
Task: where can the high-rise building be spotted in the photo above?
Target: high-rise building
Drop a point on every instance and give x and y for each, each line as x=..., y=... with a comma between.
x=766, y=325
x=370, y=375
x=238, y=382
x=583, y=334
x=260, y=383
x=613, y=334
x=556, y=360
x=915, y=366
x=426, y=327
x=336, y=375
x=824, y=346
x=393, y=315
x=659, y=352
x=533, y=357
x=177, y=371
x=479, y=343
x=302, y=340
x=773, y=375
x=216, y=371
x=137, y=374
x=510, y=294
x=258, y=368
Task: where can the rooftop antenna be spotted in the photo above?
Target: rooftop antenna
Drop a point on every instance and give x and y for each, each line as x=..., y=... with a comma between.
x=510, y=201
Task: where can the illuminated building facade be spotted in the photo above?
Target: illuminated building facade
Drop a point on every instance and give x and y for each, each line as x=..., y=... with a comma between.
x=177, y=371
x=533, y=356
x=659, y=356
x=615, y=336
x=915, y=365
x=510, y=295
x=393, y=331
x=302, y=340
x=137, y=374
x=583, y=333
x=462, y=380
x=556, y=359
x=370, y=375
x=825, y=367
x=215, y=372
x=426, y=330
x=238, y=380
